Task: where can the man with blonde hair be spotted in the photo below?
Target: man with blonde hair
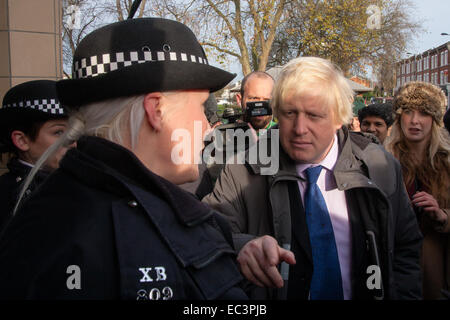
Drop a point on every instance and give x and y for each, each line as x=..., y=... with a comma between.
x=337, y=223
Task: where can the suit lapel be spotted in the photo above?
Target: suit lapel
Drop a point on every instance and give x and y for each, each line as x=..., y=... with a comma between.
x=299, y=227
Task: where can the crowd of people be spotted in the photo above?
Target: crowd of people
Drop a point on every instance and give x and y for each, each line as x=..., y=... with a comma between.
x=95, y=207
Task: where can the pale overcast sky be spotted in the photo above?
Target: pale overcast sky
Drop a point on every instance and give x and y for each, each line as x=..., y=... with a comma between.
x=435, y=15
x=436, y=19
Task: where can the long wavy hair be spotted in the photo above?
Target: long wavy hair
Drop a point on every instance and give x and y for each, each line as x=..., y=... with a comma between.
x=433, y=171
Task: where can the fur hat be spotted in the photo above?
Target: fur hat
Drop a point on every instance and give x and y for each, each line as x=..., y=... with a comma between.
x=25, y=104
x=138, y=56
x=421, y=96
x=380, y=110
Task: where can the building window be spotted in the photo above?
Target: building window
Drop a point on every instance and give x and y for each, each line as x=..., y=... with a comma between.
x=419, y=77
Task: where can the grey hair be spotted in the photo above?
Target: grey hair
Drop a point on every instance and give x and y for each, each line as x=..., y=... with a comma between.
x=106, y=119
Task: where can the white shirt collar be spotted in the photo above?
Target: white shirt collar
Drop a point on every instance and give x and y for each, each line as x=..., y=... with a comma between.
x=328, y=162
x=26, y=163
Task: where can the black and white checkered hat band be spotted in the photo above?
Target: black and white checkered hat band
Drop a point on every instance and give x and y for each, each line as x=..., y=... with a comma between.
x=95, y=65
x=51, y=106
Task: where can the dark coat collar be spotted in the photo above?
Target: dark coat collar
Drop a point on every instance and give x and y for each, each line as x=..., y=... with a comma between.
x=18, y=169
x=357, y=164
x=106, y=165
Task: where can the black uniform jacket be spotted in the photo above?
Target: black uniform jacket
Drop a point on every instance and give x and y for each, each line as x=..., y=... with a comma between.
x=103, y=226
x=11, y=184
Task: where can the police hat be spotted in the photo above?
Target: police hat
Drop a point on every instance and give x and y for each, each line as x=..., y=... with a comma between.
x=26, y=103
x=138, y=56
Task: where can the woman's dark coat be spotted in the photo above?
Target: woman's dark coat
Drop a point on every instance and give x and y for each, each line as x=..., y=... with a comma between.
x=11, y=185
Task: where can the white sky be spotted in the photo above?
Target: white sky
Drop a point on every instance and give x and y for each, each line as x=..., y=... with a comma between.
x=436, y=19
x=435, y=15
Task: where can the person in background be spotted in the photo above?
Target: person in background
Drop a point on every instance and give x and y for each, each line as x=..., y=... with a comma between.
x=111, y=222
x=257, y=86
x=376, y=119
x=422, y=146
x=358, y=104
x=31, y=120
x=447, y=120
x=205, y=183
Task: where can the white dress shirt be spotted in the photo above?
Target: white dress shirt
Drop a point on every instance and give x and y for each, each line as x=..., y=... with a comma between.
x=337, y=207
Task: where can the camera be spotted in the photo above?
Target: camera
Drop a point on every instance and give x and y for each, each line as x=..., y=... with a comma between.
x=231, y=115
x=257, y=108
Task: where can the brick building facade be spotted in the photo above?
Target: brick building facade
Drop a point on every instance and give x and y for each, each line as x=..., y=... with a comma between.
x=430, y=66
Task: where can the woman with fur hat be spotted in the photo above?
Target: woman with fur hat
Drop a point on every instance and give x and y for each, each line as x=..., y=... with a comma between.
x=111, y=222
x=420, y=143
x=31, y=120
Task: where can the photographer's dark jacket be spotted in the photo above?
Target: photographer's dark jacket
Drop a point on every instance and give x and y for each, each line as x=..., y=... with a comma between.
x=104, y=227
x=384, y=228
x=11, y=184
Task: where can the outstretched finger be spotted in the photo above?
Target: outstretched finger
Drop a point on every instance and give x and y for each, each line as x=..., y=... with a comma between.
x=287, y=256
x=249, y=275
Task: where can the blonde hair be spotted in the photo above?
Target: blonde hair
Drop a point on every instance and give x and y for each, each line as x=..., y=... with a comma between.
x=107, y=119
x=302, y=74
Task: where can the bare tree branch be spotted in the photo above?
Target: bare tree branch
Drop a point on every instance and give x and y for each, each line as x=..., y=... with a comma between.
x=215, y=46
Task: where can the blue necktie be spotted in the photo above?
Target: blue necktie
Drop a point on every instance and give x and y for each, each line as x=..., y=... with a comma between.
x=326, y=283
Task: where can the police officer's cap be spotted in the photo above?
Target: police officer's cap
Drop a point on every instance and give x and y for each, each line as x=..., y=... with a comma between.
x=28, y=102
x=138, y=56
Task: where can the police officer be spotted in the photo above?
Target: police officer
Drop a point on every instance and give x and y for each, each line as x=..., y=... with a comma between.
x=31, y=119
x=111, y=223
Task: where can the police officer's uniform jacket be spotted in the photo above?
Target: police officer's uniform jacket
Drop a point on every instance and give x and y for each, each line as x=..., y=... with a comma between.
x=11, y=185
x=103, y=226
